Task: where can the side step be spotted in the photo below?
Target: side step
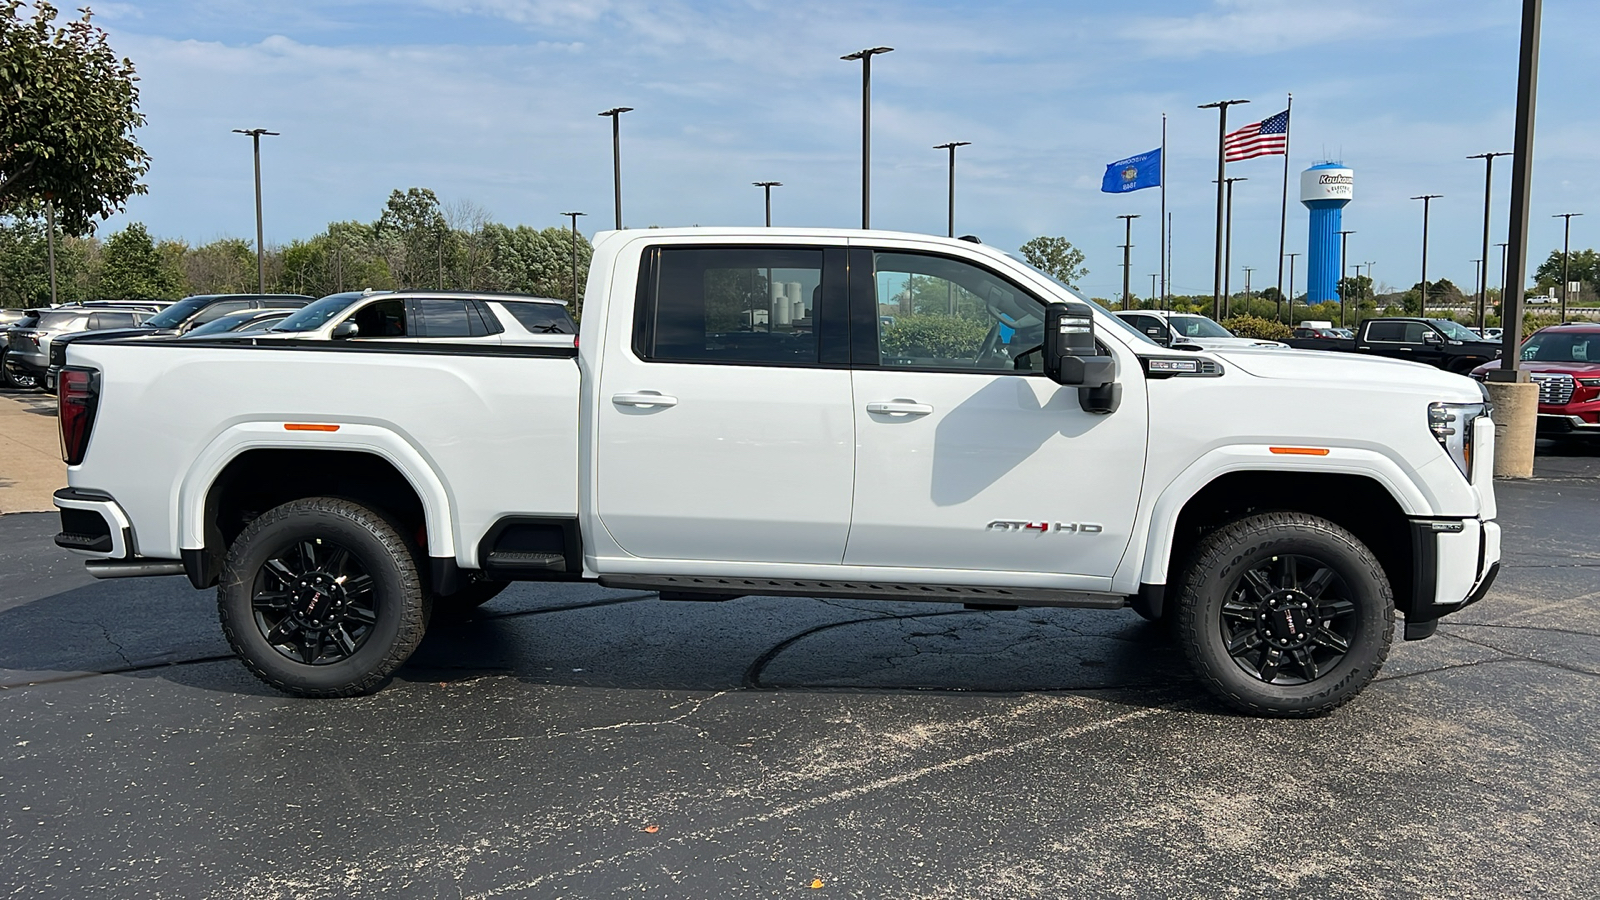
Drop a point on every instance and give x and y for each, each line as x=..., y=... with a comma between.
x=513, y=559
x=678, y=587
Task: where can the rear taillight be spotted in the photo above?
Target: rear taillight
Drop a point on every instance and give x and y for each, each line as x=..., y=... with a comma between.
x=77, y=393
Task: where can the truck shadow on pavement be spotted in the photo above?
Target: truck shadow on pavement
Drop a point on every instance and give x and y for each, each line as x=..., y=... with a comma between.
x=585, y=636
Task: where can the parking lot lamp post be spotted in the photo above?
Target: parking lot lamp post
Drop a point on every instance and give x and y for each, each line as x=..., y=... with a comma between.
x=1566, y=254
x=1479, y=272
x=1247, y=271
x=1227, y=251
x=1127, y=245
x=574, y=217
x=1221, y=106
x=1426, y=199
x=1502, y=279
x=1155, y=298
x=1290, y=298
x=50, y=245
x=261, y=266
x=1344, y=254
x=951, y=231
x=615, y=114
x=766, y=188
x=1488, y=184
x=866, y=127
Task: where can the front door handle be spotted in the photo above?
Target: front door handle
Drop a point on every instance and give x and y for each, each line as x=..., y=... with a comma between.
x=899, y=407
x=644, y=398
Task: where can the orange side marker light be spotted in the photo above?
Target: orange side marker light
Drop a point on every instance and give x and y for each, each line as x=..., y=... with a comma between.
x=1300, y=451
x=308, y=426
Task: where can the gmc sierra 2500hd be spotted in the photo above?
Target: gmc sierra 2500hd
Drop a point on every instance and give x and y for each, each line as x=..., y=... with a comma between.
x=793, y=412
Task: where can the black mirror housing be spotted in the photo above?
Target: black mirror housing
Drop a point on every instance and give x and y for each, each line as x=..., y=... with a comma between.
x=1071, y=357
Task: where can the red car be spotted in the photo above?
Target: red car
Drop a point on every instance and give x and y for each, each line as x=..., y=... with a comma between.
x=1564, y=360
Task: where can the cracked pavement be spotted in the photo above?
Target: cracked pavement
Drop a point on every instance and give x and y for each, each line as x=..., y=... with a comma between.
x=572, y=741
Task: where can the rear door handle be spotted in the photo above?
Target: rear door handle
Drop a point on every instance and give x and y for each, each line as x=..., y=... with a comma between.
x=899, y=408
x=644, y=398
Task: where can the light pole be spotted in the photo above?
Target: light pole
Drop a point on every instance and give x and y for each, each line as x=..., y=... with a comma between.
x=1290, y=298
x=1488, y=185
x=1480, y=273
x=1227, y=253
x=50, y=245
x=866, y=128
x=615, y=114
x=1221, y=106
x=1247, y=271
x=766, y=188
x=1566, y=254
x=1502, y=247
x=1344, y=254
x=1155, y=298
x=261, y=265
x=1127, y=245
x=574, y=217
x=1426, y=199
x=952, y=148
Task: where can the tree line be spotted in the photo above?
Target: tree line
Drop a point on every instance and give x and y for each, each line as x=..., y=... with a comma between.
x=416, y=242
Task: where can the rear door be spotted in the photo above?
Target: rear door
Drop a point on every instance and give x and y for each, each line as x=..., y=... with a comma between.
x=724, y=428
x=452, y=320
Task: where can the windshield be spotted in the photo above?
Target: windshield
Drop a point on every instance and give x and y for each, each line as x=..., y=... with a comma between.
x=1557, y=346
x=318, y=314
x=230, y=322
x=1454, y=330
x=1125, y=326
x=178, y=313
x=1197, y=327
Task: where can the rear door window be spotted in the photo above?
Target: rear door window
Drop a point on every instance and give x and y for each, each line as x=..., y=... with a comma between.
x=446, y=318
x=751, y=305
x=541, y=318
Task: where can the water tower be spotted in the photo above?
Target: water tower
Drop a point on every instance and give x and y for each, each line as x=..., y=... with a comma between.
x=1325, y=188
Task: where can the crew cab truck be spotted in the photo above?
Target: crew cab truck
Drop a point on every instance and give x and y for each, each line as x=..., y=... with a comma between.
x=1441, y=343
x=783, y=412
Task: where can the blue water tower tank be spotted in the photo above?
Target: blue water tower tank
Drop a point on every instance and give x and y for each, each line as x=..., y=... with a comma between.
x=1325, y=188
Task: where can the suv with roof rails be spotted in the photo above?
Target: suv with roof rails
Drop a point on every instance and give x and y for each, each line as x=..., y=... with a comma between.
x=455, y=317
x=29, y=342
x=1564, y=361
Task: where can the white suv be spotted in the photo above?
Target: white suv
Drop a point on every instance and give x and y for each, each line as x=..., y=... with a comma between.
x=1171, y=329
x=430, y=316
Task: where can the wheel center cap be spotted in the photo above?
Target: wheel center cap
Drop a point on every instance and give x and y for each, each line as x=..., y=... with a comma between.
x=317, y=597
x=1288, y=620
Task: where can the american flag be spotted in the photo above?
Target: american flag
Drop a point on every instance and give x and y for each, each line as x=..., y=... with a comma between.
x=1268, y=137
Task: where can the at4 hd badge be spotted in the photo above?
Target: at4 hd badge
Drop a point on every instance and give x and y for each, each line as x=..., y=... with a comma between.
x=1019, y=526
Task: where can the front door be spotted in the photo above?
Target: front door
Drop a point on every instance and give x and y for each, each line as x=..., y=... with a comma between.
x=724, y=426
x=967, y=457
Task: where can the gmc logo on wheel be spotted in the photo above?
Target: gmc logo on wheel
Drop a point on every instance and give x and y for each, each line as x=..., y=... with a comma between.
x=1019, y=525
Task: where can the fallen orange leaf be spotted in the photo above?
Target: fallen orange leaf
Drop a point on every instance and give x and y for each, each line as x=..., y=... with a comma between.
x=816, y=883
x=651, y=829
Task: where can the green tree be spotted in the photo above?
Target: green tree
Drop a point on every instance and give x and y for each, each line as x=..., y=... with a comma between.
x=224, y=266
x=1056, y=257
x=133, y=268
x=1584, y=266
x=412, y=235
x=68, y=110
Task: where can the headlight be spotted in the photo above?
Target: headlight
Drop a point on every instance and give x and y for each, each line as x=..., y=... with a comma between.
x=1452, y=424
x=1586, y=382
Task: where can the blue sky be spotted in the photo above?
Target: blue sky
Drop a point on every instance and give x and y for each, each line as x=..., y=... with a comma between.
x=495, y=102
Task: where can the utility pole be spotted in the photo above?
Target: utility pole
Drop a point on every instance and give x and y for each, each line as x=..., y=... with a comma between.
x=951, y=232
x=1344, y=254
x=615, y=114
x=1221, y=106
x=1426, y=199
x=1566, y=255
x=766, y=188
x=1127, y=245
x=574, y=217
x=1247, y=271
x=1290, y=297
x=1227, y=253
x=261, y=265
x=866, y=127
x=1488, y=186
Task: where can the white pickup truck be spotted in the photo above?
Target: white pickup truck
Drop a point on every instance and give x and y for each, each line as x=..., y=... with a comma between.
x=793, y=412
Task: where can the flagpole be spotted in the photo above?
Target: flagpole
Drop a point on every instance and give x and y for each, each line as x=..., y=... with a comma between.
x=1163, y=250
x=1283, y=213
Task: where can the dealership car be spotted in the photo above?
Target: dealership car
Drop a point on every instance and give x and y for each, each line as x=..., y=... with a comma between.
x=28, y=345
x=245, y=322
x=1564, y=360
x=431, y=316
x=1171, y=329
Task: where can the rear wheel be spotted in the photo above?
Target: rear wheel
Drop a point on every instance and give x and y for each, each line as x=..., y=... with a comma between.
x=14, y=376
x=321, y=598
x=1285, y=614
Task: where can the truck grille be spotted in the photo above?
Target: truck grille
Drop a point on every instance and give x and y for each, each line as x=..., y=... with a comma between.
x=1554, y=389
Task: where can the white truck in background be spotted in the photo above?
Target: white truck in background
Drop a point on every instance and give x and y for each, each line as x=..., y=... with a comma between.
x=793, y=412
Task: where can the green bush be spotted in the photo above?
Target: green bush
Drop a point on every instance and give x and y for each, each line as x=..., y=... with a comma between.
x=1258, y=328
x=933, y=336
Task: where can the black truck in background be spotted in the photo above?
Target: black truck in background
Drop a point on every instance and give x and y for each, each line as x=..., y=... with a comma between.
x=1441, y=343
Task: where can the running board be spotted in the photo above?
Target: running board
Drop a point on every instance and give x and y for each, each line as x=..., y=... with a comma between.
x=680, y=587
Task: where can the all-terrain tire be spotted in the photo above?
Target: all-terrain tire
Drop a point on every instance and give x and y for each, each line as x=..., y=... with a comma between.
x=1247, y=595
x=393, y=607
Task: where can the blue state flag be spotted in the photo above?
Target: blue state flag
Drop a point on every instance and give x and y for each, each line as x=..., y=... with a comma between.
x=1134, y=173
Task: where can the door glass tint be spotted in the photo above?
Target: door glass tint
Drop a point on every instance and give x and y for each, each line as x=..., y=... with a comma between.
x=939, y=313
x=217, y=310
x=1390, y=332
x=100, y=321
x=541, y=318
x=736, y=305
x=446, y=318
x=381, y=319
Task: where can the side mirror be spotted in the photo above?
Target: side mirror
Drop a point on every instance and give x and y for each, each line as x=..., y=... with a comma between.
x=1431, y=337
x=345, y=329
x=1071, y=357
x=1159, y=335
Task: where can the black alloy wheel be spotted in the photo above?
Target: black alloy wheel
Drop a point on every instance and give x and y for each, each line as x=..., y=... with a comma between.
x=321, y=597
x=314, y=602
x=1285, y=614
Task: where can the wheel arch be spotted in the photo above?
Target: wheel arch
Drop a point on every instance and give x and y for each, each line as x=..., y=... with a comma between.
x=228, y=486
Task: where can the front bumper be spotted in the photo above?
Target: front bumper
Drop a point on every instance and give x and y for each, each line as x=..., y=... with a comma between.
x=1455, y=562
x=1560, y=423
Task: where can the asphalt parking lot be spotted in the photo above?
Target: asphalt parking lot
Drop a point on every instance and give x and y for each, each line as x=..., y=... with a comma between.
x=572, y=741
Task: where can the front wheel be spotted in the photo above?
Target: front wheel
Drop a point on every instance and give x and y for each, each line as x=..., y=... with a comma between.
x=1285, y=614
x=14, y=376
x=320, y=598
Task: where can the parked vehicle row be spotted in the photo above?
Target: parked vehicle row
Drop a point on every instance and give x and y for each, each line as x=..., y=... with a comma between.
x=28, y=340
x=1564, y=360
x=1441, y=343
x=1188, y=331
